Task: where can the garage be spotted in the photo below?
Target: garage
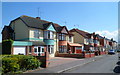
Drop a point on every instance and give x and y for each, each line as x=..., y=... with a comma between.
x=20, y=47
x=19, y=50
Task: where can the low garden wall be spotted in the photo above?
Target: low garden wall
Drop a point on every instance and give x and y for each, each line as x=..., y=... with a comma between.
x=81, y=55
x=69, y=55
x=88, y=55
x=102, y=53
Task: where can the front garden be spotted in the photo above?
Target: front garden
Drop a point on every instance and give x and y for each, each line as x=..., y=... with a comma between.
x=18, y=63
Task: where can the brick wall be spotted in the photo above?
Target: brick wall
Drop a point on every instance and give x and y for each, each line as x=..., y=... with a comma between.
x=69, y=55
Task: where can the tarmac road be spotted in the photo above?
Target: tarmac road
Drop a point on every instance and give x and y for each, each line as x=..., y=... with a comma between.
x=104, y=65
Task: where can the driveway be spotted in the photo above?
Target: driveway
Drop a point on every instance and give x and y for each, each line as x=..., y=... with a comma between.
x=56, y=61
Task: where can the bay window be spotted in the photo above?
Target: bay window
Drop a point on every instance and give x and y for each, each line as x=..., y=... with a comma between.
x=96, y=41
x=70, y=38
x=48, y=35
x=62, y=49
x=50, y=49
x=90, y=40
x=62, y=37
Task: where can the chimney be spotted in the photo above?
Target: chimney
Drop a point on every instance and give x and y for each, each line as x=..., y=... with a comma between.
x=38, y=18
x=111, y=39
x=93, y=33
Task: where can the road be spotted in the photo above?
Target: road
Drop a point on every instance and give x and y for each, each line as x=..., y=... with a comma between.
x=104, y=65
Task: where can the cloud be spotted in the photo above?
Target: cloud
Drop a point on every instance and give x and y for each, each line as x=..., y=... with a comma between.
x=108, y=34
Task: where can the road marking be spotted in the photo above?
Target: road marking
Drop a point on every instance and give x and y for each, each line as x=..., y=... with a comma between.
x=74, y=66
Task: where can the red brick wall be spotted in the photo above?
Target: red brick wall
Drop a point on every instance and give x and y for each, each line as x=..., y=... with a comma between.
x=70, y=55
x=79, y=51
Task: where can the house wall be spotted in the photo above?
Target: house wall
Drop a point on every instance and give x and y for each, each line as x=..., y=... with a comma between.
x=20, y=29
x=57, y=42
x=78, y=38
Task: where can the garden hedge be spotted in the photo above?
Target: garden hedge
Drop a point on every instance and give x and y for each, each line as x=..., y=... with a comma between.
x=17, y=63
x=7, y=46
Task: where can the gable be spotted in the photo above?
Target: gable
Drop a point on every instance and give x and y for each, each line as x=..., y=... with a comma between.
x=51, y=28
x=64, y=31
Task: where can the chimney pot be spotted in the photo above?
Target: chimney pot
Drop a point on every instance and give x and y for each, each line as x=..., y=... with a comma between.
x=38, y=18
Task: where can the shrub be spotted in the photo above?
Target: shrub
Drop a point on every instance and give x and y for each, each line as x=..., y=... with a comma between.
x=29, y=62
x=10, y=64
x=15, y=63
x=6, y=46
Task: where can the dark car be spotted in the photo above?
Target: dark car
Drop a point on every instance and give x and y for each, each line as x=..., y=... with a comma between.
x=111, y=52
x=118, y=50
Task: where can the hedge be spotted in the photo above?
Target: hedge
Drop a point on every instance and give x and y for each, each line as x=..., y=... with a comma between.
x=17, y=63
x=6, y=46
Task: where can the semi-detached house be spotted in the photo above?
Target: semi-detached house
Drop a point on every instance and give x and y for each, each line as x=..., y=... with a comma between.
x=33, y=36
x=84, y=38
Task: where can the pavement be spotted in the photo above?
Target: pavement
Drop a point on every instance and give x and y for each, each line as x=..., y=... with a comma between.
x=61, y=64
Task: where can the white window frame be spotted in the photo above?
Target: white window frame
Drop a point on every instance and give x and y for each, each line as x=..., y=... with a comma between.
x=51, y=51
x=41, y=47
x=36, y=33
x=50, y=33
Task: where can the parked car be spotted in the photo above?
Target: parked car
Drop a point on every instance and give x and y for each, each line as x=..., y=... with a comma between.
x=111, y=51
x=118, y=56
x=118, y=50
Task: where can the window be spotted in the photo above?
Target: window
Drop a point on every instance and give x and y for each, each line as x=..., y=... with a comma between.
x=36, y=33
x=48, y=35
x=90, y=40
x=95, y=41
x=70, y=38
x=62, y=49
x=50, y=49
x=30, y=49
x=78, y=47
x=35, y=50
x=42, y=49
x=62, y=37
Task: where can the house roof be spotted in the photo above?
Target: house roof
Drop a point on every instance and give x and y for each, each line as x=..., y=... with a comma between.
x=83, y=33
x=38, y=23
x=100, y=37
x=34, y=22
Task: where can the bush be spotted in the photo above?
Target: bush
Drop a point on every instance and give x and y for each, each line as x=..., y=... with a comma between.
x=15, y=63
x=29, y=62
x=10, y=65
x=6, y=46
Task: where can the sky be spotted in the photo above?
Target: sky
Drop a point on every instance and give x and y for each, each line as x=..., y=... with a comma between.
x=99, y=17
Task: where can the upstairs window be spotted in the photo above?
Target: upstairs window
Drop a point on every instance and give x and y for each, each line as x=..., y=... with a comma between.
x=36, y=34
x=96, y=41
x=62, y=37
x=48, y=35
x=70, y=38
x=90, y=40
